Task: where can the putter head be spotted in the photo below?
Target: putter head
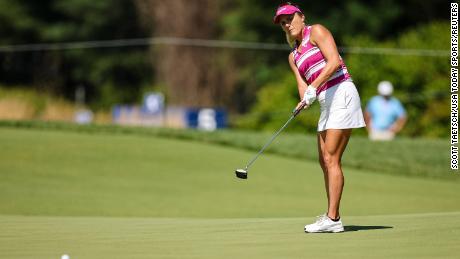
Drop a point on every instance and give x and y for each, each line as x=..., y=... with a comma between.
x=241, y=173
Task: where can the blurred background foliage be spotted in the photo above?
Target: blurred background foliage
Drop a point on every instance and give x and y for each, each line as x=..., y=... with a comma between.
x=255, y=86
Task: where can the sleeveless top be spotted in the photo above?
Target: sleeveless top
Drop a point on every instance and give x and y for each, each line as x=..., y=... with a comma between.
x=310, y=62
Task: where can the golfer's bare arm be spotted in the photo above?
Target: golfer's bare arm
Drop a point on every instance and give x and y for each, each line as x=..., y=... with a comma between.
x=322, y=38
x=301, y=84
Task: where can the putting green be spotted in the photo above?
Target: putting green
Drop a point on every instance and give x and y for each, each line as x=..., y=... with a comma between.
x=389, y=236
x=119, y=196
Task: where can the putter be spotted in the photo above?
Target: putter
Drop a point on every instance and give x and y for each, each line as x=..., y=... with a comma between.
x=243, y=173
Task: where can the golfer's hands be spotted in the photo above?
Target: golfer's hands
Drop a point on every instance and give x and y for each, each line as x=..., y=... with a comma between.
x=309, y=96
x=301, y=105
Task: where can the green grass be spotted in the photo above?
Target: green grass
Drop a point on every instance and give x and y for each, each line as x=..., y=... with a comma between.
x=118, y=175
x=110, y=195
x=400, y=236
x=409, y=157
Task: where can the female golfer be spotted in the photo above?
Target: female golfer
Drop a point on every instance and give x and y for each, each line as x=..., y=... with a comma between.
x=321, y=74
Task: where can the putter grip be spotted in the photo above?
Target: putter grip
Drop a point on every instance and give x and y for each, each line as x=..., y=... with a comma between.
x=297, y=111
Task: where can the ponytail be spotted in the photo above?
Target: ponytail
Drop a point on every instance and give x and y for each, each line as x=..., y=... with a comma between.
x=290, y=41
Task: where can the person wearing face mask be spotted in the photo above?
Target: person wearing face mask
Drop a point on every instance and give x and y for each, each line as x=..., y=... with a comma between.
x=322, y=75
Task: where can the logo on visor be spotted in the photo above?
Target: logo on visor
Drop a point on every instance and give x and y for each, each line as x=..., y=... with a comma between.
x=282, y=9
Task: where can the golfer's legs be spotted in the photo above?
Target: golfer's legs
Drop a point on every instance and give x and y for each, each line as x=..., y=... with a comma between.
x=321, y=147
x=335, y=142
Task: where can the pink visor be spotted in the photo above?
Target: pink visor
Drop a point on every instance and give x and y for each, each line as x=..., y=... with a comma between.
x=285, y=9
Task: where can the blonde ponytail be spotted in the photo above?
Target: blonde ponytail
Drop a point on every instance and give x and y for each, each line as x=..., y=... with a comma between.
x=290, y=41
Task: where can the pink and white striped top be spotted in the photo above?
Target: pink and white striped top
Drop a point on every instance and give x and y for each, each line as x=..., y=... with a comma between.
x=310, y=62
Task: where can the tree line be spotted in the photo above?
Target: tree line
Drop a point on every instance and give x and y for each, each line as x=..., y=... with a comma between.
x=243, y=81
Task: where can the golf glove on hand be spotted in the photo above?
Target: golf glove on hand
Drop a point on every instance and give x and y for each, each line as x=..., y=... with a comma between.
x=310, y=95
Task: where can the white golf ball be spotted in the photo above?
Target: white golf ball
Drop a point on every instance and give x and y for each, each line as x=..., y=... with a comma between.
x=65, y=257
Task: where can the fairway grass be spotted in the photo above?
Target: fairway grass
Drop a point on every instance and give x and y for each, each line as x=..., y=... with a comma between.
x=389, y=236
x=72, y=174
x=413, y=157
x=126, y=196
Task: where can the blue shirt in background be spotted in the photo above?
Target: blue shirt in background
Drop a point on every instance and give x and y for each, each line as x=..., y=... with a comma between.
x=384, y=112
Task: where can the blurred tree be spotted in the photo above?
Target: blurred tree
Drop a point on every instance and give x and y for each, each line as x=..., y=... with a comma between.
x=252, y=21
x=420, y=83
x=251, y=69
x=109, y=75
x=192, y=76
x=206, y=76
x=274, y=104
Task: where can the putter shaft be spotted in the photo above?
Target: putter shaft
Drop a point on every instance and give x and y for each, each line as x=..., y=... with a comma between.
x=270, y=141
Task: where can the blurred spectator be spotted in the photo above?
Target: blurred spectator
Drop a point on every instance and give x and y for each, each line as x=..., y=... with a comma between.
x=385, y=116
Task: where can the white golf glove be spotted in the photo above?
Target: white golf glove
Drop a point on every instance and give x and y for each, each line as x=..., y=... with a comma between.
x=310, y=95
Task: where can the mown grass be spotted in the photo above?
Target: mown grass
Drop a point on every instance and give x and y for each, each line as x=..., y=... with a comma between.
x=73, y=174
x=111, y=195
x=408, y=157
x=400, y=236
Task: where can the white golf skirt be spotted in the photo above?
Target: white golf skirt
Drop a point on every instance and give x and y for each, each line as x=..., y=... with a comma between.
x=340, y=107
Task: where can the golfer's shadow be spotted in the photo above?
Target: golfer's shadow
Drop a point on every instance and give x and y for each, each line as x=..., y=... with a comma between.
x=359, y=228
